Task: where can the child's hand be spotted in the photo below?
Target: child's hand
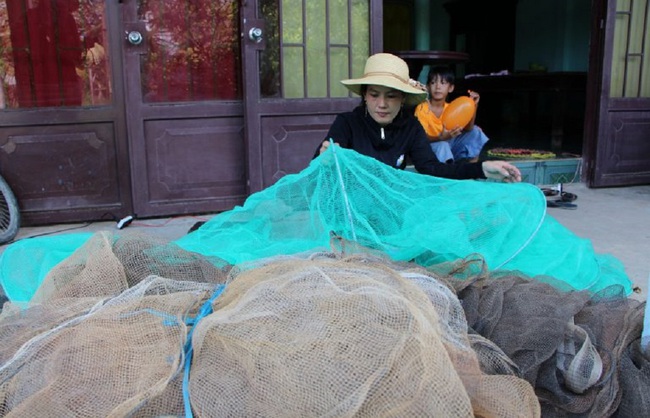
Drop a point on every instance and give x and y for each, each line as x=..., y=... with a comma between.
x=474, y=96
x=451, y=133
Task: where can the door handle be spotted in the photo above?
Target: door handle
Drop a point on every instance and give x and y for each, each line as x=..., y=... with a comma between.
x=134, y=37
x=255, y=35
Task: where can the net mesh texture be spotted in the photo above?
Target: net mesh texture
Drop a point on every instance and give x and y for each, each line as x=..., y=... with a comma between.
x=303, y=304
x=408, y=217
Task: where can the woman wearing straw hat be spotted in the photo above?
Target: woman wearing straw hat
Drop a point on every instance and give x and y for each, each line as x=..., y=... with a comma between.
x=380, y=128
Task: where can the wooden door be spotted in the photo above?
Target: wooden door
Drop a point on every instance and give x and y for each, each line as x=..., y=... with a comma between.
x=617, y=127
x=63, y=146
x=293, y=72
x=184, y=106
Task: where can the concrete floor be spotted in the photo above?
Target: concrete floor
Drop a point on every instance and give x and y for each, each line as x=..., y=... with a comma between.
x=616, y=220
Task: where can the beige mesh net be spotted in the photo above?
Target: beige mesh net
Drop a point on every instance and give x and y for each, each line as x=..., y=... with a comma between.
x=345, y=337
x=131, y=326
x=320, y=336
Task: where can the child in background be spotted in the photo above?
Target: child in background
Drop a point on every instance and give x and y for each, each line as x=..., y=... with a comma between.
x=456, y=143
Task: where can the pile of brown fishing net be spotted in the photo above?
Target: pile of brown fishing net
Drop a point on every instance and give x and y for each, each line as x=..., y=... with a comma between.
x=132, y=326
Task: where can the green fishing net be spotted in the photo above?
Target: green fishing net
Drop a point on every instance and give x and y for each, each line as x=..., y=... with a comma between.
x=409, y=217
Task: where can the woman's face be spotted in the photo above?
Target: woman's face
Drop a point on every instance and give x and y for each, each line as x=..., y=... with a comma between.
x=383, y=103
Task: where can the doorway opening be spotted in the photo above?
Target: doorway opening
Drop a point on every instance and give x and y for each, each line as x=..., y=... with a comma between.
x=527, y=60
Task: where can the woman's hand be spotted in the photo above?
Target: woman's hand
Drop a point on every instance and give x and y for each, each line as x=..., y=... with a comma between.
x=325, y=145
x=502, y=171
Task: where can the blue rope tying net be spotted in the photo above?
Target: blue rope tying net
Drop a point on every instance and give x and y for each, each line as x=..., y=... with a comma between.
x=188, y=349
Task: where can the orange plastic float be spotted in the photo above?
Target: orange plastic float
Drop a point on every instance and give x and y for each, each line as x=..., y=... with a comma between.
x=458, y=113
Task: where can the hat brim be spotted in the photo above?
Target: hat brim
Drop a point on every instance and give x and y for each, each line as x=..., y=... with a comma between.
x=414, y=95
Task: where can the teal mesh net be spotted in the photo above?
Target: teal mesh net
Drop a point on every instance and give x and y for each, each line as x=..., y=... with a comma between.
x=345, y=196
x=25, y=263
x=409, y=217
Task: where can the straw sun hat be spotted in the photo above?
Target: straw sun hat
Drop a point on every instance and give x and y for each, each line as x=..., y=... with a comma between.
x=391, y=71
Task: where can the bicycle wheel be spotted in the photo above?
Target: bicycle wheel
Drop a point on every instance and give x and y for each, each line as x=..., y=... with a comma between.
x=9, y=213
